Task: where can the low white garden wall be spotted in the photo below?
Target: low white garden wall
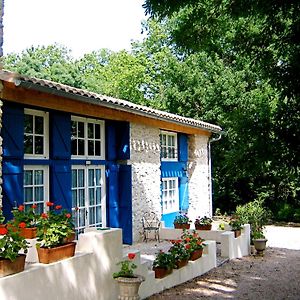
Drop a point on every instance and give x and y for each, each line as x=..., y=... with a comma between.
x=88, y=275
x=231, y=247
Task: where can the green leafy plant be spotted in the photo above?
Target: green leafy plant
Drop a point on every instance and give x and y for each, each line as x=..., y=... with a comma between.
x=164, y=260
x=257, y=235
x=11, y=243
x=192, y=241
x=222, y=226
x=54, y=227
x=24, y=218
x=2, y=218
x=127, y=267
x=236, y=223
x=179, y=251
x=182, y=219
x=203, y=221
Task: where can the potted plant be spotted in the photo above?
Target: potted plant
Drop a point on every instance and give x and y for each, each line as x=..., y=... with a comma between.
x=236, y=225
x=259, y=241
x=163, y=264
x=53, y=228
x=25, y=220
x=203, y=223
x=129, y=282
x=193, y=244
x=11, y=242
x=180, y=253
x=182, y=221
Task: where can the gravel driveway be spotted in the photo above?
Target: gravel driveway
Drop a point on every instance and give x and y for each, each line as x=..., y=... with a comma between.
x=276, y=276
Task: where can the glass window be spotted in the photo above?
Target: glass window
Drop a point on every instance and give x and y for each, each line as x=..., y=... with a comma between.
x=35, y=134
x=170, y=195
x=168, y=145
x=87, y=138
x=35, y=187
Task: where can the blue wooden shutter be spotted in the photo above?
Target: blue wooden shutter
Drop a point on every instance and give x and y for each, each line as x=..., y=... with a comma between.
x=125, y=196
x=182, y=147
x=123, y=136
x=60, y=124
x=13, y=131
x=110, y=139
x=61, y=184
x=183, y=194
x=113, y=196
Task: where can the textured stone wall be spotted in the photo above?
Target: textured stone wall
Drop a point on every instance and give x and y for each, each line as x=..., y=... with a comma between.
x=1, y=103
x=145, y=161
x=199, y=177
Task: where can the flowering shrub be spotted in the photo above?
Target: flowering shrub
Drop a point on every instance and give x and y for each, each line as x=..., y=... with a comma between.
x=11, y=243
x=192, y=241
x=127, y=267
x=203, y=221
x=54, y=227
x=24, y=218
x=164, y=260
x=179, y=251
x=182, y=219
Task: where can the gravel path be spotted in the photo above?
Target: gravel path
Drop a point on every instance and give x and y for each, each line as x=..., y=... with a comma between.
x=276, y=276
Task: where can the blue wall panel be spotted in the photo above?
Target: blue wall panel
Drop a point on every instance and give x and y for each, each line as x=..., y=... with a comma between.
x=169, y=218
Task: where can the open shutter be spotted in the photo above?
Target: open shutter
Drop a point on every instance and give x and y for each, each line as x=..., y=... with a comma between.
x=60, y=188
x=183, y=194
x=112, y=195
x=125, y=196
x=183, y=147
x=60, y=135
x=12, y=173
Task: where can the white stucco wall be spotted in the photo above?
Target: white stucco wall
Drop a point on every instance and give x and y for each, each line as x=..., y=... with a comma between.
x=145, y=161
x=199, y=177
x=1, y=103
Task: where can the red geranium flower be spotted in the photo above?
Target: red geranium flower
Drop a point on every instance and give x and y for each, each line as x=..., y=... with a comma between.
x=68, y=215
x=44, y=215
x=199, y=243
x=3, y=231
x=187, y=246
x=58, y=207
x=21, y=208
x=22, y=225
x=49, y=203
x=178, y=241
x=187, y=239
x=131, y=256
x=33, y=206
x=76, y=208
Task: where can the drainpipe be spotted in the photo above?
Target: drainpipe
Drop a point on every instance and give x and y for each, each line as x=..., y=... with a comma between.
x=211, y=140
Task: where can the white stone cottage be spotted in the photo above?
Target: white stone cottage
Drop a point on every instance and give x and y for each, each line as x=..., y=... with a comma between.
x=106, y=160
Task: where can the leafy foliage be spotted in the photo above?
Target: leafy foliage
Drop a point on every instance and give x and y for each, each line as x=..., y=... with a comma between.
x=127, y=267
x=164, y=260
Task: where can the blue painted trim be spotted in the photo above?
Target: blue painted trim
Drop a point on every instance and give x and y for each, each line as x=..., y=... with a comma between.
x=169, y=219
x=83, y=162
x=37, y=161
x=173, y=169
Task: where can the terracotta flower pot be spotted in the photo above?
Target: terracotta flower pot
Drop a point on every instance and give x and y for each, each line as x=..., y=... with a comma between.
x=181, y=263
x=129, y=287
x=237, y=233
x=203, y=227
x=161, y=272
x=182, y=226
x=28, y=233
x=50, y=255
x=196, y=254
x=8, y=267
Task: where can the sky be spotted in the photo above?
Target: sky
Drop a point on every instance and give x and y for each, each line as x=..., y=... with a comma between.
x=82, y=26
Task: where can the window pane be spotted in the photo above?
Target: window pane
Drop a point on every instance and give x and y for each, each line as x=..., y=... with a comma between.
x=98, y=214
x=28, y=194
x=80, y=129
x=38, y=177
x=39, y=145
x=82, y=217
x=28, y=124
x=98, y=195
x=74, y=129
x=80, y=178
x=39, y=194
x=80, y=147
x=98, y=177
x=92, y=215
x=74, y=147
x=74, y=178
x=97, y=148
x=91, y=177
x=74, y=198
x=28, y=177
x=90, y=130
x=92, y=196
x=81, y=198
x=97, y=131
x=39, y=125
x=40, y=208
x=91, y=148
x=28, y=144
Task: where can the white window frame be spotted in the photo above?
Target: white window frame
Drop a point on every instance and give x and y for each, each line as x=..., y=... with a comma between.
x=46, y=183
x=45, y=116
x=167, y=134
x=175, y=203
x=102, y=140
x=86, y=194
